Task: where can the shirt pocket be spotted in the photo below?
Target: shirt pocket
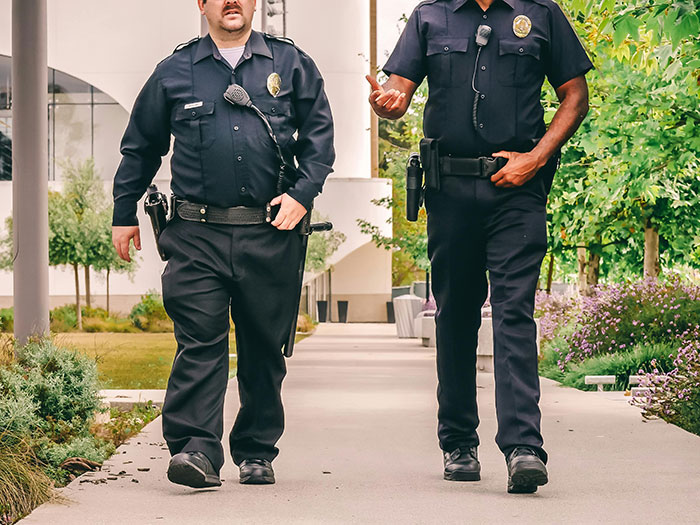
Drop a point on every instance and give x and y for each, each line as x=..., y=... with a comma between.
x=280, y=114
x=196, y=126
x=447, y=61
x=520, y=62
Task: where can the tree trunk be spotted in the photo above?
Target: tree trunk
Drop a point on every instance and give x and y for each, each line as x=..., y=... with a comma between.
x=88, y=302
x=79, y=314
x=108, y=271
x=588, y=271
x=652, y=267
x=550, y=273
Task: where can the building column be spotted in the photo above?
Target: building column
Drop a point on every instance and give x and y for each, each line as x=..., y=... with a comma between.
x=373, y=66
x=30, y=155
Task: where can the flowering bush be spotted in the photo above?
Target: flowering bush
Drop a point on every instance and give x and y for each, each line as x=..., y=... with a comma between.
x=555, y=312
x=620, y=316
x=674, y=396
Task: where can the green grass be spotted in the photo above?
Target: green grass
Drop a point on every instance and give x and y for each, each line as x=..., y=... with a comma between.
x=131, y=361
x=134, y=361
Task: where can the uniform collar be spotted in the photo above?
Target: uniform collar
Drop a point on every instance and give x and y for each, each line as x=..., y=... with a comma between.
x=460, y=3
x=254, y=46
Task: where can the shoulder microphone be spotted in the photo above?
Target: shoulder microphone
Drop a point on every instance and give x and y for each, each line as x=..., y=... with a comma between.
x=483, y=34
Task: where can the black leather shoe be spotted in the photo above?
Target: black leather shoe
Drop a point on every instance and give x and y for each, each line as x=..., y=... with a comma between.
x=462, y=465
x=257, y=472
x=193, y=469
x=526, y=471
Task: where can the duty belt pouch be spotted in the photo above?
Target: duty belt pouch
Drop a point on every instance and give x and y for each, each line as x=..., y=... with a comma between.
x=430, y=159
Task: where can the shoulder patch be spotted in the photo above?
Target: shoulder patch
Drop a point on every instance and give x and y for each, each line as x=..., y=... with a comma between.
x=279, y=38
x=186, y=44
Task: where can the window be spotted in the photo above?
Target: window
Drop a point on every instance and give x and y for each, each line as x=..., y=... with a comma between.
x=83, y=122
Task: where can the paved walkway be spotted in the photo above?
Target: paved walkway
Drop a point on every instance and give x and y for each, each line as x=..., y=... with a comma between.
x=360, y=447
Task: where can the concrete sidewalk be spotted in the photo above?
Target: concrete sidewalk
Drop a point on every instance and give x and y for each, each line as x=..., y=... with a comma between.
x=360, y=447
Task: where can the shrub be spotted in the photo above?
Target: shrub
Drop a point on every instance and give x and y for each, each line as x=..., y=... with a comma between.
x=674, y=396
x=555, y=312
x=96, y=313
x=121, y=326
x=53, y=454
x=61, y=383
x=7, y=320
x=64, y=318
x=305, y=324
x=641, y=359
x=618, y=317
x=18, y=412
x=149, y=314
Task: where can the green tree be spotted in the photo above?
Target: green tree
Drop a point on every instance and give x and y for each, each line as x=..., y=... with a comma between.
x=408, y=242
x=627, y=190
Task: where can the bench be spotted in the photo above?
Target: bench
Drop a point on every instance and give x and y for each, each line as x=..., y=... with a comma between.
x=611, y=380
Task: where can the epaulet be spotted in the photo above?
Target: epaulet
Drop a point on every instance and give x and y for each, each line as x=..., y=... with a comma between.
x=279, y=38
x=187, y=44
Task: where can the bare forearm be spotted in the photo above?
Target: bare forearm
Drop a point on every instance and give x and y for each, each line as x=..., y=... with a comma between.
x=568, y=118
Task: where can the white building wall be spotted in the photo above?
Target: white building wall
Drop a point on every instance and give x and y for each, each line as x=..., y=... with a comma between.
x=116, y=46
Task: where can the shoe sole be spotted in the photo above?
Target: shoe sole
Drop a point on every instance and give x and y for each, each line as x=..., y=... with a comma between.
x=256, y=480
x=192, y=476
x=462, y=476
x=527, y=479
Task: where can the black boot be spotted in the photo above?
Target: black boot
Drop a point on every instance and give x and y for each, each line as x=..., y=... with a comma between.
x=257, y=472
x=193, y=469
x=526, y=471
x=462, y=465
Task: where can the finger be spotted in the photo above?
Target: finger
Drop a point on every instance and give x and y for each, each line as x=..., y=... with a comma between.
x=124, y=251
x=277, y=200
x=137, y=240
x=392, y=100
x=281, y=216
x=399, y=101
x=386, y=96
x=504, y=154
x=373, y=82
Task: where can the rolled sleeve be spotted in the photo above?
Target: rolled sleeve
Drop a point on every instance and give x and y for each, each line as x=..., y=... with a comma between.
x=314, y=149
x=408, y=58
x=567, y=58
x=145, y=142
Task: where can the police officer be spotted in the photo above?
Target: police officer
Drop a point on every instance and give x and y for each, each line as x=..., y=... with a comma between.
x=486, y=61
x=226, y=249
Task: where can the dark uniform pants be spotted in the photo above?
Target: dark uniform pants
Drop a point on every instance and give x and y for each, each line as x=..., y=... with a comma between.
x=253, y=271
x=473, y=226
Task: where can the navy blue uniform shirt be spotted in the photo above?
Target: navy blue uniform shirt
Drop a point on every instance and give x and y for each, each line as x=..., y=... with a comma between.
x=222, y=154
x=439, y=42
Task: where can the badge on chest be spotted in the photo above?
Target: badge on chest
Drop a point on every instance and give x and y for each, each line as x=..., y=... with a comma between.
x=522, y=26
x=274, y=84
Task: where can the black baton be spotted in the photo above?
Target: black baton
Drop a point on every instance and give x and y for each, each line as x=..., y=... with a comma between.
x=305, y=230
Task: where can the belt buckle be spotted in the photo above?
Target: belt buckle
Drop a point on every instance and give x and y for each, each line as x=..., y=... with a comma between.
x=489, y=167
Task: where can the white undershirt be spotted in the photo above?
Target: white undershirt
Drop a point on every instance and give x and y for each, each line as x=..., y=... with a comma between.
x=232, y=54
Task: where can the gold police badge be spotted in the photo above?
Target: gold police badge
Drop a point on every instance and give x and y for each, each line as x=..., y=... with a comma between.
x=522, y=26
x=274, y=84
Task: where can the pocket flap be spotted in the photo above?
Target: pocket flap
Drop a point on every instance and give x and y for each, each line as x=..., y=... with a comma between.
x=274, y=106
x=440, y=45
x=514, y=47
x=191, y=113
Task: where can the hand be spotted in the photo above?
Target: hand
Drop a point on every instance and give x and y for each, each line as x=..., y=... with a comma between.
x=386, y=104
x=521, y=168
x=291, y=212
x=121, y=239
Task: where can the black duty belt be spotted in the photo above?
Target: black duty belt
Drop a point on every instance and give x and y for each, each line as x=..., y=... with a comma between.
x=481, y=167
x=237, y=216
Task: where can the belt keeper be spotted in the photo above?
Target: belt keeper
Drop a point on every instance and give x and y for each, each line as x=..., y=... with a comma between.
x=203, y=211
x=489, y=167
x=268, y=213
